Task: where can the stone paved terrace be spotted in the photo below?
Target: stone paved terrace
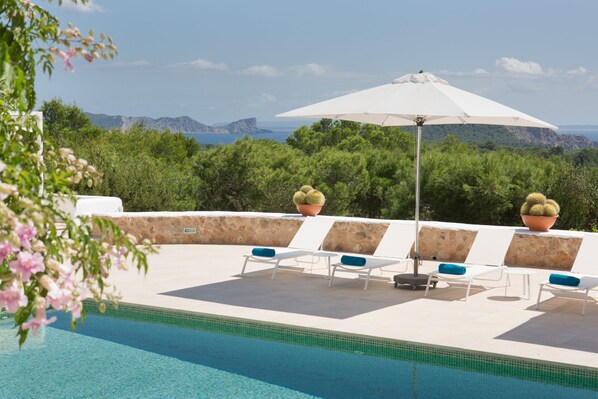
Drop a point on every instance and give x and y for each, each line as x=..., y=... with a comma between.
x=205, y=278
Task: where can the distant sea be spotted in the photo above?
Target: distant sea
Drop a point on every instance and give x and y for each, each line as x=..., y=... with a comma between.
x=228, y=138
x=280, y=131
x=580, y=130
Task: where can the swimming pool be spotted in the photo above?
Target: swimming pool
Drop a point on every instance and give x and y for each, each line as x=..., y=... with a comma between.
x=124, y=358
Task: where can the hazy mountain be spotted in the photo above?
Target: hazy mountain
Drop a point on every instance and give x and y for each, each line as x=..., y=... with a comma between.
x=572, y=137
x=513, y=136
x=182, y=124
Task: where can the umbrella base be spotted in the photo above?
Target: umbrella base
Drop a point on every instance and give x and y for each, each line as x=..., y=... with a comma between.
x=409, y=279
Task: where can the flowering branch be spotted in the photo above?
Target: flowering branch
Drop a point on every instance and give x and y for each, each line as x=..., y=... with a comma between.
x=48, y=258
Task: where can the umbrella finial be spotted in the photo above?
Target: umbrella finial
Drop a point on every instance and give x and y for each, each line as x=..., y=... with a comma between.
x=421, y=71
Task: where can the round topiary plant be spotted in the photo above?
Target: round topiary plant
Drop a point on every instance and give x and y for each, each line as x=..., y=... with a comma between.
x=535, y=198
x=306, y=189
x=299, y=198
x=549, y=210
x=539, y=213
x=536, y=210
x=555, y=204
x=315, y=197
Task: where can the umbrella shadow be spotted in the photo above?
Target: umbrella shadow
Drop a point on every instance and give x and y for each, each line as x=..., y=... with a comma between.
x=559, y=324
x=300, y=293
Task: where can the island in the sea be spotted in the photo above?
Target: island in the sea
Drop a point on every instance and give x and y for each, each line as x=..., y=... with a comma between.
x=184, y=124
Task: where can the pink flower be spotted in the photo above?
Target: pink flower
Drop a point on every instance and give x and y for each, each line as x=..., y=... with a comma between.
x=58, y=297
x=40, y=317
x=6, y=249
x=118, y=257
x=13, y=297
x=65, y=57
x=7, y=190
x=75, y=307
x=27, y=264
x=26, y=232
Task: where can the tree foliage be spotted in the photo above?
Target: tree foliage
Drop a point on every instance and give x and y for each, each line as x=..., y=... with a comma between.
x=364, y=171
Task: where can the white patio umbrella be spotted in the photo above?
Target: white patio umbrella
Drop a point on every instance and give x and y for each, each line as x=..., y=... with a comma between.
x=416, y=99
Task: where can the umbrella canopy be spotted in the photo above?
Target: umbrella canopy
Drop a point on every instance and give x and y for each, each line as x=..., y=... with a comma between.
x=416, y=96
x=417, y=99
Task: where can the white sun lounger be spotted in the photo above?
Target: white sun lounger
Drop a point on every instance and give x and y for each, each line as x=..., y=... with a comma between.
x=585, y=267
x=486, y=255
x=307, y=241
x=393, y=248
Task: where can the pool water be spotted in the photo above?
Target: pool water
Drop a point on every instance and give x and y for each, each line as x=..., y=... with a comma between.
x=116, y=358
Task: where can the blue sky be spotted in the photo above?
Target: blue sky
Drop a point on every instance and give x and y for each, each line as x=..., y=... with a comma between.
x=222, y=60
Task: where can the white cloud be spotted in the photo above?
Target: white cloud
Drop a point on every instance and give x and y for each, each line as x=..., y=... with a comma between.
x=204, y=65
x=267, y=98
x=310, y=69
x=123, y=64
x=513, y=65
x=86, y=8
x=577, y=71
x=480, y=71
x=131, y=64
x=261, y=70
x=261, y=100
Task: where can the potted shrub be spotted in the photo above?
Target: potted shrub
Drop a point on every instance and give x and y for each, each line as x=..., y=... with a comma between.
x=309, y=202
x=539, y=213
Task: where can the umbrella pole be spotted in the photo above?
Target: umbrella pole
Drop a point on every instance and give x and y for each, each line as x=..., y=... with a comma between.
x=417, y=173
x=415, y=279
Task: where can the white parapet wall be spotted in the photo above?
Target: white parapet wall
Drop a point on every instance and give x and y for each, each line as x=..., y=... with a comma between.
x=89, y=204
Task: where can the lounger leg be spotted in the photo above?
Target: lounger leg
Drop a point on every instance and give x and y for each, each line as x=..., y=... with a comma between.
x=332, y=276
x=539, y=294
x=244, y=265
x=328, y=263
x=275, y=269
x=468, y=288
x=585, y=301
x=428, y=285
x=367, y=280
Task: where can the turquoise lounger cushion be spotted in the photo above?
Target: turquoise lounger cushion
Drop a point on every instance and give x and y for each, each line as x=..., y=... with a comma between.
x=563, y=279
x=266, y=252
x=352, y=260
x=449, y=268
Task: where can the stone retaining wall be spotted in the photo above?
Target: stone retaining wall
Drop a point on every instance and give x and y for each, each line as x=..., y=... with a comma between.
x=438, y=241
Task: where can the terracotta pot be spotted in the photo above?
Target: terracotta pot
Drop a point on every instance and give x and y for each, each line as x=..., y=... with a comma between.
x=538, y=223
x=309, y=210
